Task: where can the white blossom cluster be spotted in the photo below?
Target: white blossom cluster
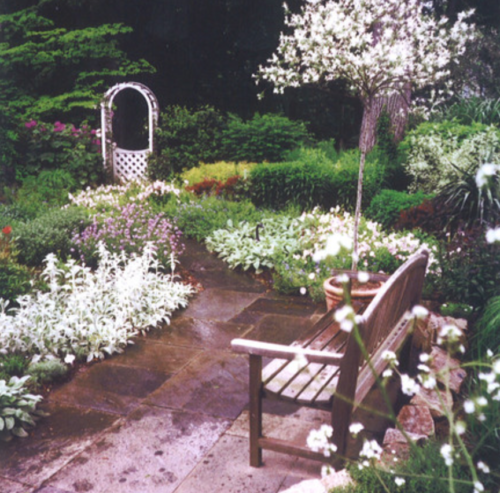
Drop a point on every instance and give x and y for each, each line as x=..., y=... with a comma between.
x=378, y=46
x=111, y=195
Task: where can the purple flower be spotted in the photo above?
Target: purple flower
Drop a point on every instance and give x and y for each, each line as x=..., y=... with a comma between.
x=30, y=124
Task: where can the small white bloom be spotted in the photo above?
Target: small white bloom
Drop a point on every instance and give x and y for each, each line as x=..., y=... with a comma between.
x=69, y=359
x=399, y=481
x=311, y=276
x=342, y=278
x=343, y=313
x=303, y=291
x=387, y=373
x=363, y=277
x=371, y=450
x=493, y=235
x=469, y=406
x=460, y=427
x=419, y=311
x=424, y=357
x=478, y=487
x=408, y=385
x=446, y=452
x=390, y=356
x=347, y=325
x=496, y=366
x=483, y=467
x=355, y=428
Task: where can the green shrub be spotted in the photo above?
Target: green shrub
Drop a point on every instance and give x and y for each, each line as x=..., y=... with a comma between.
x=424, y=471
x=50, y=233
x=217, y=171
x=47, y=371
x=199, y=217
x=17, y=408
x=13, y=365
x=50, y=187
x=386, y=207
x=467, y=111
x=438, y=153
x=487, y=335
x=60, y=146
x=315, y=180
x=184, y=139
x=14, y=278
x=263, y=138
x=470, y=267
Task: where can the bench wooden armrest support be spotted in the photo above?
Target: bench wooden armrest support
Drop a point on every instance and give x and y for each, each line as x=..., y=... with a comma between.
x=281, y=351
x=330, y=372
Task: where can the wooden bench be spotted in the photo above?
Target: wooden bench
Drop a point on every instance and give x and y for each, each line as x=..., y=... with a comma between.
x=333, y=376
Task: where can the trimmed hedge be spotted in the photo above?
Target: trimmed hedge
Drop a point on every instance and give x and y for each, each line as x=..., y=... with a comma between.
x=386, y=207
x=315, y=180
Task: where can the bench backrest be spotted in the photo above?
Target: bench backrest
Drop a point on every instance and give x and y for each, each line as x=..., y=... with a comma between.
x=377, y=326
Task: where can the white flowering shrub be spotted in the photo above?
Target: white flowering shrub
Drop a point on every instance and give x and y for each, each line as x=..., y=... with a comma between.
x=91, y=313
x=438, y=154
x=107, y=196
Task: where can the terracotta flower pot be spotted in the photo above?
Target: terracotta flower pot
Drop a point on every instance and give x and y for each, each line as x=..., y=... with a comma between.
x=363, y=292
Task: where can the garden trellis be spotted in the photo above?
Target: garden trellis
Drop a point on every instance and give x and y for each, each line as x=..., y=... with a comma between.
x=126, y=163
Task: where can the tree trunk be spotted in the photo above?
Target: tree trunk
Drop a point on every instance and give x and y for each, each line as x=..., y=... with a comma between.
x=397, y=106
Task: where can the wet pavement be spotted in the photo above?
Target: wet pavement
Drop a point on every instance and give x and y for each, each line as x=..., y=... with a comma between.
x=170, y=414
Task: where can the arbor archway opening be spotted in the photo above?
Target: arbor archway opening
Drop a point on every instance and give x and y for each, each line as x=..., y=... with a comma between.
x=129, y=114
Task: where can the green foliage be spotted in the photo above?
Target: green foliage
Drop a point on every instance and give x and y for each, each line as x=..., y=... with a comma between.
x=49, y=233
x=17, y=408
x=256, y=245
x=263, y=138
x=50, y=70
x=185, y=138
x=487, y=335
x=221, y=170
x=47, y=371
x=12, y=365
x=49, y=188
x=470, y=269
x=467, y=111
x=466, y=203
x=456, y=310
x=385, y=208
x=424, y=471
x=59, y=146
x=14, y=278
x=438, y=153
x=199, y=217
x=315, y=180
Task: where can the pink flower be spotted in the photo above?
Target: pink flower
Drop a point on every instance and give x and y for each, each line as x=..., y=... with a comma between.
x=59, y=127
x=30, y=124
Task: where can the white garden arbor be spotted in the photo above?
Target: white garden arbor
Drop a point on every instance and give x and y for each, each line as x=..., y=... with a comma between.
x=124, y=163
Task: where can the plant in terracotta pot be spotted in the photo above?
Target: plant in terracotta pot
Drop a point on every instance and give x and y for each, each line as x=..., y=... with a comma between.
x=329, y=249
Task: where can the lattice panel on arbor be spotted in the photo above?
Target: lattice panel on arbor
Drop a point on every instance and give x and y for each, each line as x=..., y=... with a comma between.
x=130, y=165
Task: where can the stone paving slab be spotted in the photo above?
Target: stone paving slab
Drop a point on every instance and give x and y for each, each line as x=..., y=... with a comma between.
x=7, y=486
x=195, y=333
x=55, y=441
x=153, y=451
x=226, y=469
x=216, y=383
x=147, y=353
x=219, y=304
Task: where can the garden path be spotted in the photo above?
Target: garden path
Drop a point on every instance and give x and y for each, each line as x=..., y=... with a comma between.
x=170, y=414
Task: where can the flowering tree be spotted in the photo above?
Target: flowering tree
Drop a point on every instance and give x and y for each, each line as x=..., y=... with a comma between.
x=380, y=47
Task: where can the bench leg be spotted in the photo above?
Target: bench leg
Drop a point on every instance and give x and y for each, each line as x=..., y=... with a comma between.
x=255, y=410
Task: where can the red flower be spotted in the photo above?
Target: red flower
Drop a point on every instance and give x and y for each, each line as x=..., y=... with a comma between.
x=7, y=230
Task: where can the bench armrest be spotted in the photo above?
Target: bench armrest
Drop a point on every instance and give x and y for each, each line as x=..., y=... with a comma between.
x=270, y=350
